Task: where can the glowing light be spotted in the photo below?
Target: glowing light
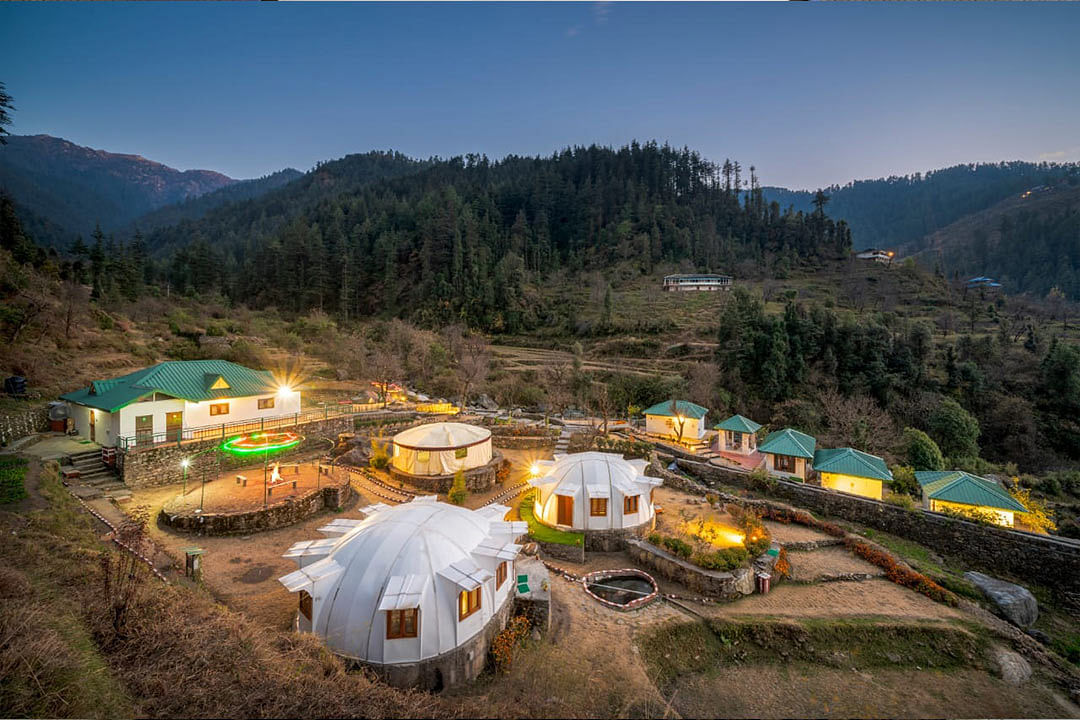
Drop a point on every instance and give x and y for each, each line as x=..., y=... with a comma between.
x=185, y=462
x=534, y=470
x=284, y=391
x=261, y=442
x=714, y=533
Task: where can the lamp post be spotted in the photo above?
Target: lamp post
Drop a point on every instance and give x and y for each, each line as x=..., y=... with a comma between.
x=202, y=489
x=184, y=464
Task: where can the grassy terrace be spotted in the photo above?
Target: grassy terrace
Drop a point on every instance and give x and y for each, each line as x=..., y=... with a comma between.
x=541, y=532
x=12, y=474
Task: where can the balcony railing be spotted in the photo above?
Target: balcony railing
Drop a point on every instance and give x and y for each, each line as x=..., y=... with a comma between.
x=224, y=431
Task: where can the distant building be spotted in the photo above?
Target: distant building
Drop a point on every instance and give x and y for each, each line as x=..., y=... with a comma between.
x=983, y=283
x=679, y=420
x=877, y=254
x=962, y=492
x=788, y=452
x=697, y=282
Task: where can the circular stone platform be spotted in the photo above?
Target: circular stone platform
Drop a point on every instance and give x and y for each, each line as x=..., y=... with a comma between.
x=478, y=479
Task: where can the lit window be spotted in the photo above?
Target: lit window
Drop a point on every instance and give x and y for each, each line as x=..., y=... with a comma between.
x=630, y=504
x=461, y=453
x=266, y=403
x=468, y=602
x=598, y=507
x=402, y=623
x=219, y=409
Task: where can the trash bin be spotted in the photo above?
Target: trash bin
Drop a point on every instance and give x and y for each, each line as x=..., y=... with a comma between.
x=763, y=581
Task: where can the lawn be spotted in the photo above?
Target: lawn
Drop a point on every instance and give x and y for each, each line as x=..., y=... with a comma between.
x=541, y=532
x=12, y=474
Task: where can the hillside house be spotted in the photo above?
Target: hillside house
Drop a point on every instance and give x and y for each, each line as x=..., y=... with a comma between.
x=956, y=490
x=852, y=471
x=788, y=452
x=174, y=400
x=680, y=282
x=676, y=420
x=737, y=435
x=876, y=255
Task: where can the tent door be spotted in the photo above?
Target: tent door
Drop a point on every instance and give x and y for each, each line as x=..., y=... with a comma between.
x=565, y=510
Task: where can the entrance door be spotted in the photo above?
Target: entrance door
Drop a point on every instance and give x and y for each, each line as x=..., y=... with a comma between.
x=565, y=510
x=93, y=426
x=174, y=423
x=144, y=429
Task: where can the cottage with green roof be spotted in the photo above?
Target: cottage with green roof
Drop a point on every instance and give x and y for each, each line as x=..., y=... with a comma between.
x=737, y=435
x=678, y=420
x=958, y=491
x=788, y=452
x=852, y=471
x=174, y=400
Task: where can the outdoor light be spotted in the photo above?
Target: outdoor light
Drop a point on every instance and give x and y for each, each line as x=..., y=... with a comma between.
x=261, y=442
x=284, y=390
x=185, y=462
x=534, y=470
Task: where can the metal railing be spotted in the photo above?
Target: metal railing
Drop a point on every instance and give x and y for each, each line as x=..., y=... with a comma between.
x=224, y=431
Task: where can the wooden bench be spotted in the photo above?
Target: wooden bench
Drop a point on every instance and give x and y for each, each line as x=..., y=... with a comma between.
x=241, y=480
x=270, y=488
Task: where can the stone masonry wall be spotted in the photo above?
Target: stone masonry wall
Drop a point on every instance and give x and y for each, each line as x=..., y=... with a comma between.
x=478, y=479
x=710, y=583
x=153, y=466
x=1048, y=561
x=614, y=540
x=524, y=442
x=275, y=516
x=15, y=425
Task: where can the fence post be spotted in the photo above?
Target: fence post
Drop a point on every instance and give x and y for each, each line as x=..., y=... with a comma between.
x=222, y=431
x=262, y=423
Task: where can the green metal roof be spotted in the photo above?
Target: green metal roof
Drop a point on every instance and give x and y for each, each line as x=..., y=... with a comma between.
x=685, y=408
x=188, y=379
x=738, y=423
x=789, y=442
x=960, y=487
x=848, y=461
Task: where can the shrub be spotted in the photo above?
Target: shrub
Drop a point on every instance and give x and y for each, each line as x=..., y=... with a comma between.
x=901, y=574
x=380, y=455
x=921, y=452
x=901, y=500
x=508, y=641
x=458, y=492
x=760, y=479
x=782, y=566
x=756, y=538
x=678, y=546
x=955, y=430
x=654, y=539
x=722, y=560
x=904, y=481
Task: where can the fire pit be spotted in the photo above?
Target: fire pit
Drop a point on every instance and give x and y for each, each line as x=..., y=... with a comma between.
x=625, y=589
x=261, y=442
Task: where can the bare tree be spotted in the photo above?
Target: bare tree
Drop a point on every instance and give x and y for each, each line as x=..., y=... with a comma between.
x=471, y=358
x=678, y=420
x=384, y=369
x=600, y=397
x=702, y=377
x=74, y=297
x=557, y=386
x=856, y=421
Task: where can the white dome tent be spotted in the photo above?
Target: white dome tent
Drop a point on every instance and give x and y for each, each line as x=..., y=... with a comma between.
x=594, y=491
x=409, y=584
x=441, y=448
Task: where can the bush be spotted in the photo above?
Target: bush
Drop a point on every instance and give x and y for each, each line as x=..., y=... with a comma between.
x=900, y=574
x=508, y=641
x=921, y=452
x=721, y=560
x=760, y=479
x=955, y=430
x=380, y=455
x=901, y=500
x=904, y=481
x=678, y=546
x=12, y=474
x=458, y=492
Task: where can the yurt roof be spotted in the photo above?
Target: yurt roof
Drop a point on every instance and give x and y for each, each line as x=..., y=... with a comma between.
x=441, y=436
x=597, y=472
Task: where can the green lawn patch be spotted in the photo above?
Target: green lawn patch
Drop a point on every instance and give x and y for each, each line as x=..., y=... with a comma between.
x=541, y=532
x=12, y=476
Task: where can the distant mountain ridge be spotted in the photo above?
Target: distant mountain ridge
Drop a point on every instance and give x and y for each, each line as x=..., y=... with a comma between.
x=76, y=187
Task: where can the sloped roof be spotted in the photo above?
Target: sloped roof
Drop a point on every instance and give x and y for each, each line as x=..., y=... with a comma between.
x=789, y=442
x=192, y=380
x=684, y=408
x=960, y=487
x=848, y=461
x=738, y=423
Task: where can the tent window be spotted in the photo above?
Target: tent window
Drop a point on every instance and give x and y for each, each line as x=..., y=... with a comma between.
x=305, y=604
x=402, y=623
x=219, y=409
x=468, y=602
x=461, y=453
x=784, y=463
x=598, y=507
x=423, y=456
x=630, y=504
x=500, y=575
x=266, y=403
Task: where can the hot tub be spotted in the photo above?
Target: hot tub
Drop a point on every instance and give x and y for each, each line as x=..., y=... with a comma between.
x=625, y=589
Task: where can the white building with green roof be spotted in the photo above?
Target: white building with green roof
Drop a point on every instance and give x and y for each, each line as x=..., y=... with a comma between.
x=958, y=491
x=852, y=471
x=172, y=400
x=677, y=420
x=789, y=453
x=738, y=435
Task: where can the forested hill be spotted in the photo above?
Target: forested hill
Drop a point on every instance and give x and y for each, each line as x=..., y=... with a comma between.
x=462, y=238
x=76, y=187
x=1029, y=242
x=196, y=207
x=892, y=211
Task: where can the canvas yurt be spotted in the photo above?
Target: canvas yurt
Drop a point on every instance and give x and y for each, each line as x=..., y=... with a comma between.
x=441, y=448
x=594, y=491
x=415, y=591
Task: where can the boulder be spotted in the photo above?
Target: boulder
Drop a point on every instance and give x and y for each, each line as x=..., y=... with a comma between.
x=1012, y=667
x=1015, y=603
x=487, y=403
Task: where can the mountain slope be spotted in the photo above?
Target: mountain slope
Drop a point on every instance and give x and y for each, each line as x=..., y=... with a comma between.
x=76, y=187
x=1030, y=242
x=893, y=211
x=196, y=207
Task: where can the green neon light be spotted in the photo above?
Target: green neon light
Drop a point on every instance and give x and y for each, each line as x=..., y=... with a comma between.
x=234, y=445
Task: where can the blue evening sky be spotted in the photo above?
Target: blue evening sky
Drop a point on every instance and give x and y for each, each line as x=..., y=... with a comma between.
x=810, y=93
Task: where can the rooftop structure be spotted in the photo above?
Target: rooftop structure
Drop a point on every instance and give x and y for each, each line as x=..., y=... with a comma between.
x=960, y=491
x=697, y=282
x=852, y=471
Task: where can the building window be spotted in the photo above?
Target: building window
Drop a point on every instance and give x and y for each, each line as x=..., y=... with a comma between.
x=266, y=403
x=598, y=507
x=402, y=623
x=305, y=604
x=630, y=504
x=461, y=453
x=500, y=575
x=219, y=409
x=423, y=456
x=784, y=463
x=468, y=602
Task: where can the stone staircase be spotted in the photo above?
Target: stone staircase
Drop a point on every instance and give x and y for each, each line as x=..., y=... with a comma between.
x=96, y=476
x=563, y=443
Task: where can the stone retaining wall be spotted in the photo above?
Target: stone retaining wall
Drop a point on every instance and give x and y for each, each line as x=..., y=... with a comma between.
x=15, y=425
x=153, y=466
x=524, y=442
x=241, y=523
x=1048, y=561
x=558, y=551
x=479, y=479
x=615, y=540
x=720, y=585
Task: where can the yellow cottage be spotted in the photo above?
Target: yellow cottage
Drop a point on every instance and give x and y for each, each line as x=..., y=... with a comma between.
x=852, y=471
